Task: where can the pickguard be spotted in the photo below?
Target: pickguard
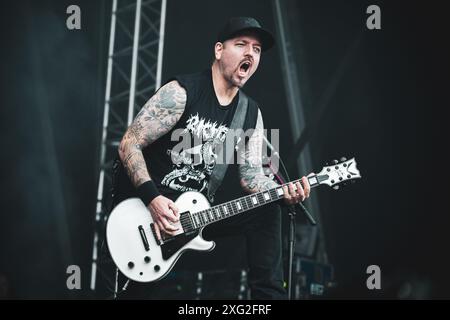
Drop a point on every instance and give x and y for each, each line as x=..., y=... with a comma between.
x=170, y=247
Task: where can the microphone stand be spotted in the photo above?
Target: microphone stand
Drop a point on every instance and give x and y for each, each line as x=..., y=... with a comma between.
x=292, y=214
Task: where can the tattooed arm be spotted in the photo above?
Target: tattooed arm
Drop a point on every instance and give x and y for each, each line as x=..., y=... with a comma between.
x=251, y=171
x=157, y=117
x=252, y=175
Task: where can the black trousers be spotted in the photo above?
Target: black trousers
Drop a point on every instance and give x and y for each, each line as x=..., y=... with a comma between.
x=261, y=229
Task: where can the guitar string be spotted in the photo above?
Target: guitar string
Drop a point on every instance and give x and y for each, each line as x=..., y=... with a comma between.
x=204, y=218
x=260, y=201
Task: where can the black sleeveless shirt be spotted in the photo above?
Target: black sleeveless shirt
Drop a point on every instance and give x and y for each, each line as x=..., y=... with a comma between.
x=204, y=124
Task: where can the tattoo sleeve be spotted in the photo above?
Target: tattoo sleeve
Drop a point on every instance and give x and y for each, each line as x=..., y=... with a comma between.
x=251, y=171
x=158, y=116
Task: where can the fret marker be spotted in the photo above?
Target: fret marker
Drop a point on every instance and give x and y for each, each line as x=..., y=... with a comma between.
x=225, y=209
x=280, y=191
x=210, y=215
x=217, y=213
x=254, y=200
x=238, y=205
x=266, y=196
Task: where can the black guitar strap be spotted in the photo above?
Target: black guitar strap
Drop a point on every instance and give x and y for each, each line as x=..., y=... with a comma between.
x=220, y=168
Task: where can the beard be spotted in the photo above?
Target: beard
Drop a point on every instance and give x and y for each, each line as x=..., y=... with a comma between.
x=230, y=72
x=234, y=80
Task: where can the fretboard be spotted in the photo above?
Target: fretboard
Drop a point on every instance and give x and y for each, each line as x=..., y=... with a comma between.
x=243, y=204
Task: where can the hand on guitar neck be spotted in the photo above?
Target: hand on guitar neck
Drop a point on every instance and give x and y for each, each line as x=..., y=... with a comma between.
x=298, y=192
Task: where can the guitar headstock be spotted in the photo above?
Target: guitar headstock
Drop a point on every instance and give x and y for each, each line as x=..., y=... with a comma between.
x=339, y=173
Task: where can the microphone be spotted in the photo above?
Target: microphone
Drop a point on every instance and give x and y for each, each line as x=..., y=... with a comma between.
x=271, y=147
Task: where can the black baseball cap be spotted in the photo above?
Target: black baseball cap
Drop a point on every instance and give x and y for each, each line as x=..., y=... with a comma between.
x=238, y=25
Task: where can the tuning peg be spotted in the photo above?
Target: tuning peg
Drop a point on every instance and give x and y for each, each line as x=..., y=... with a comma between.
x=343, y=159
x=334, y=162
x=336, y=187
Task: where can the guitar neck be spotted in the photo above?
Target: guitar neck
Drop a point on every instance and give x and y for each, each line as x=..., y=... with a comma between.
x=232, y=208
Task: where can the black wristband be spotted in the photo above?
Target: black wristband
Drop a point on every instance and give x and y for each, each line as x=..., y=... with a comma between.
x=147, y=192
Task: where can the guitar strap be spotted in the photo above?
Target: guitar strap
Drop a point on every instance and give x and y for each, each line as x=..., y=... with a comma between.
x=220, y=168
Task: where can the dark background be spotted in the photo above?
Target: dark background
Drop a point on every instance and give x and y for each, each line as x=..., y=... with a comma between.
x=387, y=111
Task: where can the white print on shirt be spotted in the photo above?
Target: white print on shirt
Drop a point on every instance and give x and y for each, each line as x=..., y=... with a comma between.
x=193, y=166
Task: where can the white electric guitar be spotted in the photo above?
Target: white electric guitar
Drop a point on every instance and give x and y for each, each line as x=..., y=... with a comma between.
x=141, y=257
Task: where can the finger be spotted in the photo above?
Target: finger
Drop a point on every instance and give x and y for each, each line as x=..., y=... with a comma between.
x=311, y=174
x=169, y=233
x=287, y=196
x=300, y=191
x=306, y=186
x=167, y=226
x=295, y=197
x=170, y=215
x=292, y=190
x=174, y=209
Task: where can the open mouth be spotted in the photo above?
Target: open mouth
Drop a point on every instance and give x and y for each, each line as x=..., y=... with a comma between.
x=244, y=68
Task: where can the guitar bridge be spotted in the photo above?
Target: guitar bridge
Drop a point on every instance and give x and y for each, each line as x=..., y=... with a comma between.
x=158, y=241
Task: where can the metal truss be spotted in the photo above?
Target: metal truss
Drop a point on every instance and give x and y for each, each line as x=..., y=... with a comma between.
x=135, y=55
